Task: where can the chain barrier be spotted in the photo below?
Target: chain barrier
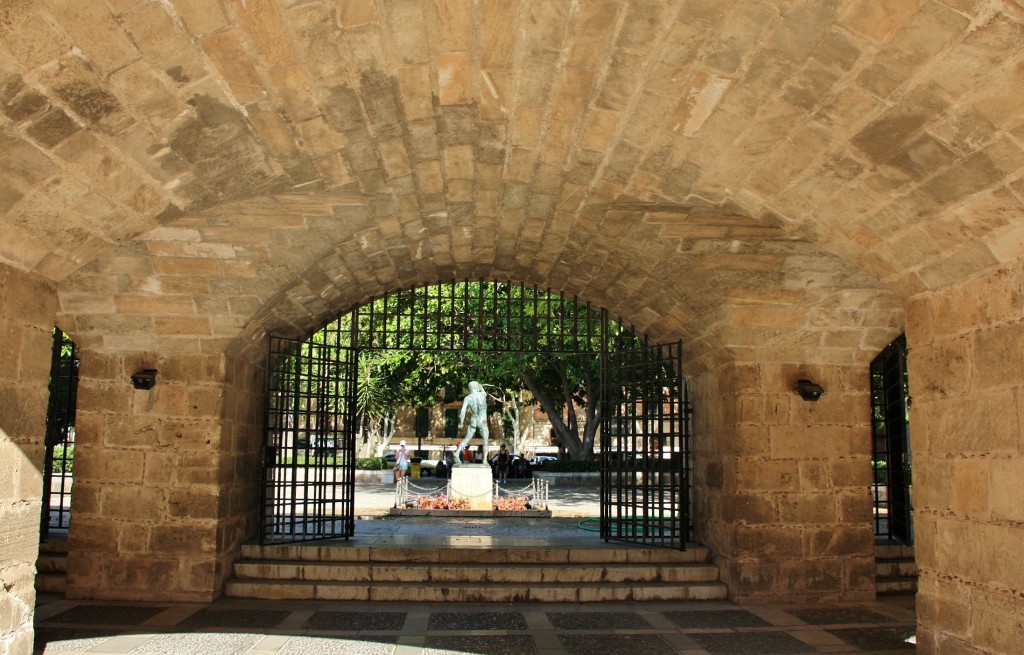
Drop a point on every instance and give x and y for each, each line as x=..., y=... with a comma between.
x=406, y=495
x=401, y=491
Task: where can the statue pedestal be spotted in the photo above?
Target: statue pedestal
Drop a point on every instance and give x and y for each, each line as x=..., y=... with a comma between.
x=475, y=483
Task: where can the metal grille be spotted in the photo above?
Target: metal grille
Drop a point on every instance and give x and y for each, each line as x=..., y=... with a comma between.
x=645, y=445
x=893, y=511
x=309, y=452
x=477, y=316
x=60, y=435
x=645, y=442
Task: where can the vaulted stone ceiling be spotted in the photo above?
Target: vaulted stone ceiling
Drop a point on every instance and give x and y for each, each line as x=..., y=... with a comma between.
x=749, y=176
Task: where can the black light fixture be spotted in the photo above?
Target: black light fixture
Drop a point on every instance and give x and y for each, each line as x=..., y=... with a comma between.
x=808, y=390
x=144, y=379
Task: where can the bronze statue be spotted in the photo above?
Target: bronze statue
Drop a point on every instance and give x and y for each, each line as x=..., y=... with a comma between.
x=476, y=403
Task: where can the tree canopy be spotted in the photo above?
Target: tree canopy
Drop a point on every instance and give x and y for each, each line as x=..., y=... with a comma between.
x=511, y=337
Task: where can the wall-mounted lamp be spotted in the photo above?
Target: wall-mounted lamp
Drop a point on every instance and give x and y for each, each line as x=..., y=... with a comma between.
x=144, y=379
x=808, y=390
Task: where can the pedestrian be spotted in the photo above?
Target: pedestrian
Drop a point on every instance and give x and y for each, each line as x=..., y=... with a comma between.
x=401, y=461
x=503, y=459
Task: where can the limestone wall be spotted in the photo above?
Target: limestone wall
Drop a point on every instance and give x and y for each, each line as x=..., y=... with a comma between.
x=782, y=484
x=149, y=478
x=241, y=461
x=26, y=323
x=966, y=346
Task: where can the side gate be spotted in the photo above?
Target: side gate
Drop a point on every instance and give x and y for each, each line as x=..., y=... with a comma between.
x=645, y=445
x=309, y=442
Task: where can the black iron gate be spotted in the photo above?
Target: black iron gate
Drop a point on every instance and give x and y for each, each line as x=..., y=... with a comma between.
x=60, y=435
x=893, y=511
x=308, y=492
x=645, y=445
x=309, y=449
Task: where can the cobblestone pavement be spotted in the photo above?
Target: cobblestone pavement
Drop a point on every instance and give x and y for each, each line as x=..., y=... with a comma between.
x=245, y=627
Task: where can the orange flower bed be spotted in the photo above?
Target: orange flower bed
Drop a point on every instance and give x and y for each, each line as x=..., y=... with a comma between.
x=442, y=502
x=512, y=503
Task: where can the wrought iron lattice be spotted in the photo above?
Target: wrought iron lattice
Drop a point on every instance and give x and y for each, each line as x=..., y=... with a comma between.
x=309, y=452
x=477, y=317
x=60, y=435
x=645, y=445
x=890, y=391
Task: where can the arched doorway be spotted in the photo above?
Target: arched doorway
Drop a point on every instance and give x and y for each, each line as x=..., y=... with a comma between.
x=636, y=396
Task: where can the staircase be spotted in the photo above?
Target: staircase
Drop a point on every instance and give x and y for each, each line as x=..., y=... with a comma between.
x=895, y=569
x=417, y=574
x=52, y=566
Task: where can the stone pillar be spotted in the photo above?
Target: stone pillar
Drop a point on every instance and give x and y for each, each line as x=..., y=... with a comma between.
x=150, y=479
x=967, y=382
x=27, y=307
x=474, y=483
x=782, y=485
x=241, y=461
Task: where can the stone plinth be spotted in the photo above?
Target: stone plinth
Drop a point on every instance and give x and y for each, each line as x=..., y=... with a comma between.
x=475, y=483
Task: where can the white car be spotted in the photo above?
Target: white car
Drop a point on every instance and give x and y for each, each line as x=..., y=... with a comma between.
x=538, y=461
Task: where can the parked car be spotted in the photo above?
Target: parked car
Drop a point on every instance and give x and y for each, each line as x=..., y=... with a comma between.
x=538, y=461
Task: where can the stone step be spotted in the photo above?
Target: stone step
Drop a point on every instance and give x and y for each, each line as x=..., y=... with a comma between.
x=474, y=574
x=895, y=585
x=553, y=555
x=52, y=563
x=52, y=566
x=473, y=592
x=895, y=569
x=456, y=573
x=51, y=583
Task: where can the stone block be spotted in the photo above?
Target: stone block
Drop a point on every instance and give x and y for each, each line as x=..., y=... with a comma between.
x=768, y=476
x=839, y=542
x=410, y=31
x=201, y=18
x=749, y=509
x=766, y=542
x=133, y=538
x=264, y=28
x=803, y=509
x=599, y=130
x=154, y=32
x=34, y=40
x=189, y=539
x=132, y=503
x=95, y=25
x=978, y=427
x=193, y=502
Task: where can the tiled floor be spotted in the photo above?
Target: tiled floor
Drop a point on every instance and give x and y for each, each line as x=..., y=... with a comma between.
x=246, y=627
x=230, y=627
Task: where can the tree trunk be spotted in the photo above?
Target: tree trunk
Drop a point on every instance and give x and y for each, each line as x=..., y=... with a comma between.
x=566, y=432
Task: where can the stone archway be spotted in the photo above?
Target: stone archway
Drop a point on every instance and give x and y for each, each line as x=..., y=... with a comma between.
x=634, y=391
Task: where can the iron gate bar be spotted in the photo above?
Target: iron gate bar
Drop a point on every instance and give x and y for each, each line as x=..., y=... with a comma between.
x=465, y=316
x=893, y=509
x=644, y=493
x=60, y=434
x=309, y=477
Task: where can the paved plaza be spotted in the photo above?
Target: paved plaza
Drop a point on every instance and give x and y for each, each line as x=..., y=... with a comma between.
x=245, y=627
x=251, y=627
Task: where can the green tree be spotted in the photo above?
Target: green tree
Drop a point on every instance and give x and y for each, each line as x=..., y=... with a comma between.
x=522, y=342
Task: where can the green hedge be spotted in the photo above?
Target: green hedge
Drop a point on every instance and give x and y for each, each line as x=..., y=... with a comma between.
x=571, y=466
x=371, y=463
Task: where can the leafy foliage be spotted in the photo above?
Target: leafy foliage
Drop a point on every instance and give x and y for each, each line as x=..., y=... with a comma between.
x=524, y=344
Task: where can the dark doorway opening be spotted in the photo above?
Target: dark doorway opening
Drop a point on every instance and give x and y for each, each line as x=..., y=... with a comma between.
x=891, y=461
x=59, y=457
